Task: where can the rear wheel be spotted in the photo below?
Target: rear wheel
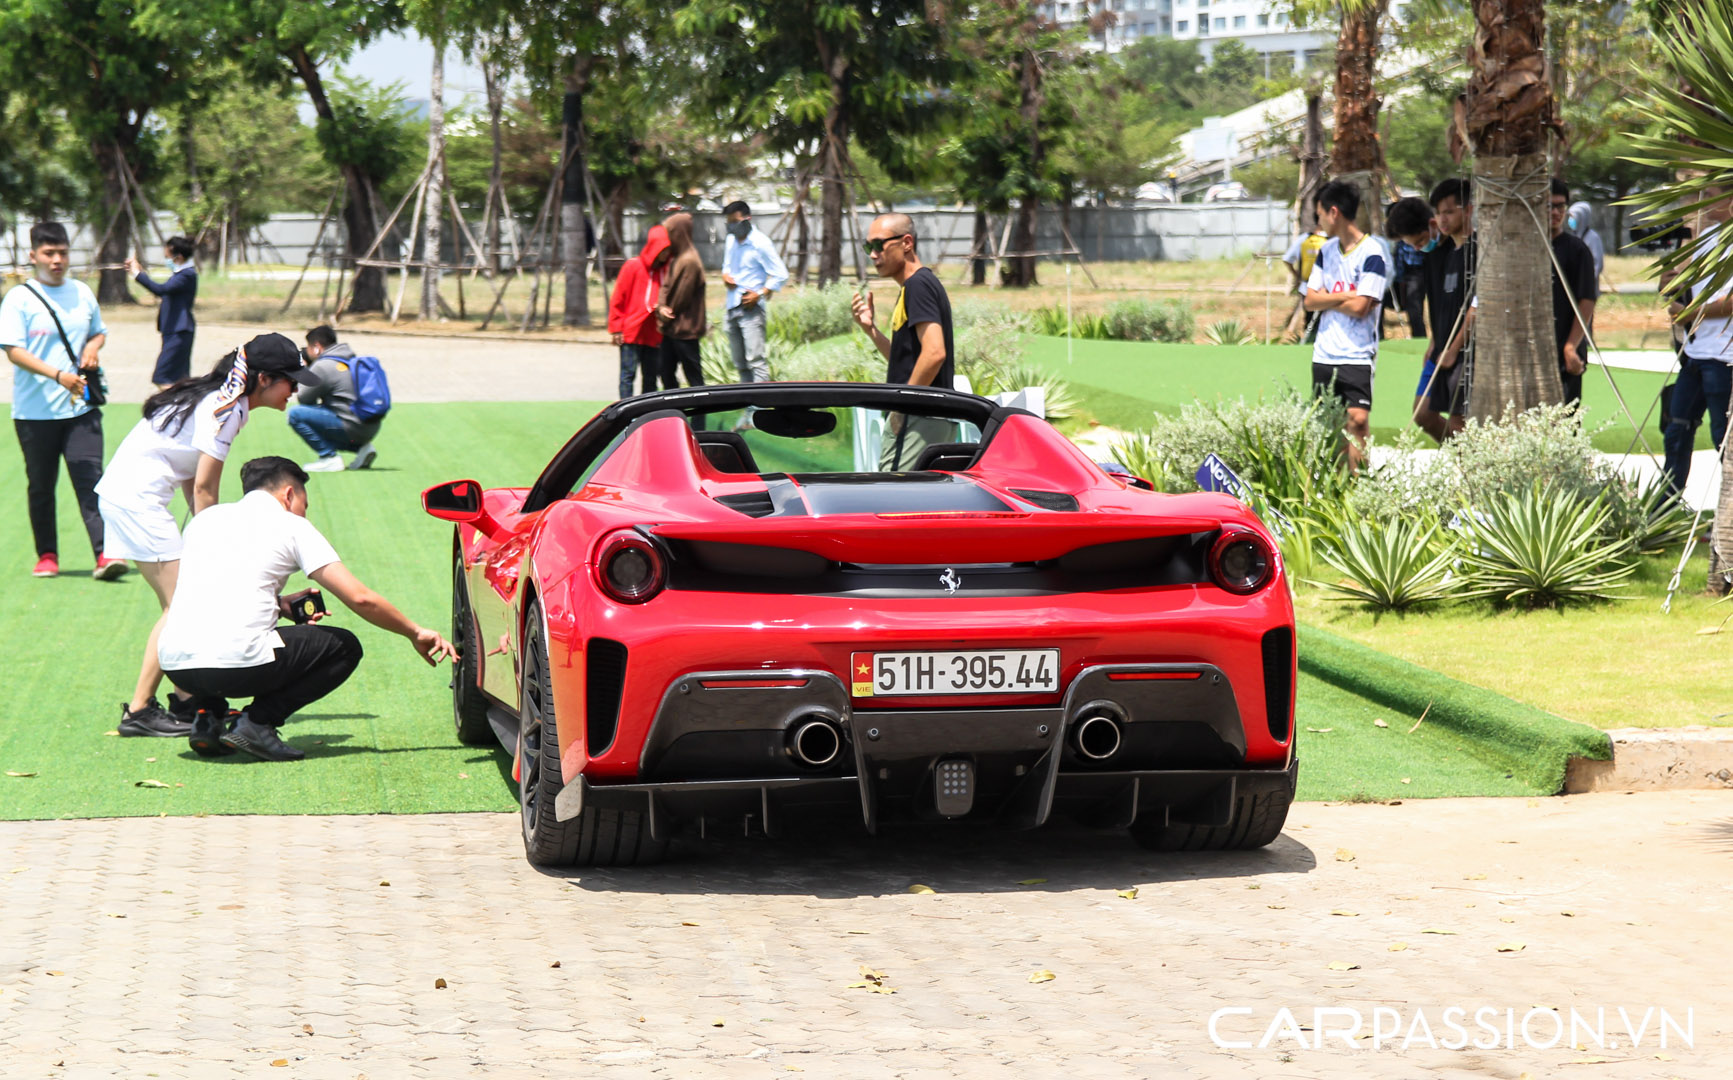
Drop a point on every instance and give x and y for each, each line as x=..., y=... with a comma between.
x=468, y=705
x=595, y=837
x=1257, y=821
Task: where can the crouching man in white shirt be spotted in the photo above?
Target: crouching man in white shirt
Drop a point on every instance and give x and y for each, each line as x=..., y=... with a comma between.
x=220, y=638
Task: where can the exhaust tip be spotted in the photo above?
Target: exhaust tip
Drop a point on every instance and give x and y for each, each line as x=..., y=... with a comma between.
x=1097, y=737
x=814, y=743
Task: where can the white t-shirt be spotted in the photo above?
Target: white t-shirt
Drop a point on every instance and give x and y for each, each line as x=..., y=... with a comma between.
x=1711, y=339
x=1363, y=271
x=152, y=462
x=237, y=557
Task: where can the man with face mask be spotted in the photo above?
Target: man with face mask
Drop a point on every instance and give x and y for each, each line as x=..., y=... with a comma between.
x=753, y=272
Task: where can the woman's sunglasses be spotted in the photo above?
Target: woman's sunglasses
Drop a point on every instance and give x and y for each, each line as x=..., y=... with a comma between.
x=873, y=247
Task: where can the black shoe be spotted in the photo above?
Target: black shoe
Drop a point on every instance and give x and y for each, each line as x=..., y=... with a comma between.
x=152, y=722
x=260, y=740
x=208, y=731
x=183, y=708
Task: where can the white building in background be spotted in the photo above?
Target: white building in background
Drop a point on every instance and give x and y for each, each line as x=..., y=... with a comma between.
x=1264, y=26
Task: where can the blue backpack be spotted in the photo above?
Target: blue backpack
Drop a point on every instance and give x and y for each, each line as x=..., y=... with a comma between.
x=372, y=392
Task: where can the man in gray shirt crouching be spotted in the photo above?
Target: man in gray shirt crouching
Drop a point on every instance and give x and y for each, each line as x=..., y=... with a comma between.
x=325, y=413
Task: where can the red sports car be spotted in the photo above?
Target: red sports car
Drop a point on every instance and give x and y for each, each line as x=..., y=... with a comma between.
x=740, y=606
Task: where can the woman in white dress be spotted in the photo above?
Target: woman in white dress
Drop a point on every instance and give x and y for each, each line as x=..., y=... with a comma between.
x=181, y=444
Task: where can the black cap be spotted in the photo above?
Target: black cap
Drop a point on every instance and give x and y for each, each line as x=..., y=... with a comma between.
x=280, y=356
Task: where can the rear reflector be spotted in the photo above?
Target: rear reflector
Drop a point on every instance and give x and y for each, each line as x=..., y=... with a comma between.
x=1142, y=676
x=750, y=684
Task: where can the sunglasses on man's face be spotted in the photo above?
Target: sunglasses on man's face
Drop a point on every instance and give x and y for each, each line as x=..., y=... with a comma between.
x=873, y=247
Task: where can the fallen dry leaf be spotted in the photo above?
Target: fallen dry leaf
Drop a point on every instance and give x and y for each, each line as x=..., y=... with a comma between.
x=114, y=733
x=308, y=1028
x=1568, y=914
x=1589, y=1061
x=1341, y=965
x=869, y=973
x=113, y=915
x=1396, y=946
x=280, y=1063
x=863, y=933
x=1127, y=894
x=1436, y=930
x=1349, y=914
x=439, y=984
x=1512, y=946
x=555, y=964
x=716, y=1023
x=1474, y=877
x=1379, y=723
x=385, y=883
x=1277, y=907
x=463, y=776
x=57, y=973
x=1344, y=855
x=149, y=783
x=1320, y=730
x=9, y=772
x=1407, y=780
x=921, y=888
x=149, y=760
x=1042, y=976
x=1505, y=918
x=1422, y=719
x=1033, y=881
x=688, y=923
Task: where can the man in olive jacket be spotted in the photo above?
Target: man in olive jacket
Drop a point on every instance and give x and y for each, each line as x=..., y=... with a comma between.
x=680, y=310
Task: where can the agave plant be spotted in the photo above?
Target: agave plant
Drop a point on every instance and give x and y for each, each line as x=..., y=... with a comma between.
x=1542, y=548
x=1229, y=332
x=1647, y=518
x=1390, y=565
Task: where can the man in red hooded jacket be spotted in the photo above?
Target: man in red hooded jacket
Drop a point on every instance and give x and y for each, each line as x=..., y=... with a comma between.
x=632, y=312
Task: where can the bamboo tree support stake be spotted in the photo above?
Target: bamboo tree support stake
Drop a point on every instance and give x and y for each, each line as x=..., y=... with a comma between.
x=318, y=238
x=409, y=245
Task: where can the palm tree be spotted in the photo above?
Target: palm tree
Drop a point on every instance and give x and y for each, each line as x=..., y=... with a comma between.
x=1509, y=107
x=1356, y=154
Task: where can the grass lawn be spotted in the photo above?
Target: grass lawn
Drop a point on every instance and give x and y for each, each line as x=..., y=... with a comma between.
x=384, y=743
x=1619, y=664
x=1122, y=382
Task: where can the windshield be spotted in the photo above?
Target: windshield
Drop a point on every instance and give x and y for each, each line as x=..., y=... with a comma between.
x=834, y=440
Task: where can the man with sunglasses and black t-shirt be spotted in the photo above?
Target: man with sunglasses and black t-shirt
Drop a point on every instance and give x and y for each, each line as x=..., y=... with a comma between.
x=919, y=350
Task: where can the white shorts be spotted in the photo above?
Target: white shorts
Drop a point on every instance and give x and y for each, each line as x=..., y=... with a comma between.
x=140, y=535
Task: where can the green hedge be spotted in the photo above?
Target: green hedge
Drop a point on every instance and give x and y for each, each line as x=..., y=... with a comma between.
x=1529, y=743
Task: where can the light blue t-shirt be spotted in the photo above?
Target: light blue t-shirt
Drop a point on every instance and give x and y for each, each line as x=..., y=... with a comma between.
x=26, y=324
x=753, y=264
x=1364, y=271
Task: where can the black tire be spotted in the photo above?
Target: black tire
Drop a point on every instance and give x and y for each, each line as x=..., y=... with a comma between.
x=468, y=703
x=1257, y=821
x=595, y=837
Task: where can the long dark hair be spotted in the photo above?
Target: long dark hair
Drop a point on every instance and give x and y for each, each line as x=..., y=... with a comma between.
x=175, y=404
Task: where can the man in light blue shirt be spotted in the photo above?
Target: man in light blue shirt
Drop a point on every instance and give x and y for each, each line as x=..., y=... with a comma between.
x=52, y=332
x=753, y=272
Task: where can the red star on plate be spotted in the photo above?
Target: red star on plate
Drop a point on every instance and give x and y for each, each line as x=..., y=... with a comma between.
x=865, y=670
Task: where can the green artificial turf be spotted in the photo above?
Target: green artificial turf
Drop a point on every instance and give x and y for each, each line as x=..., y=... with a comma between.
x=1123, y=382
x=383, y=743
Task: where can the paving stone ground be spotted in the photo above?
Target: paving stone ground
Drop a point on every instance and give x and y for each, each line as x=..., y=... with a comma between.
x=257, y=946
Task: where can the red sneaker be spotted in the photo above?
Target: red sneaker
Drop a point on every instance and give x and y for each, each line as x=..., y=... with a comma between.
x=108, y=569
x=47, y=566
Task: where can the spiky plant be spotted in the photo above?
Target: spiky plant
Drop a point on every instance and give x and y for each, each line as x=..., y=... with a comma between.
x=1541, y=548
x=1389, y=565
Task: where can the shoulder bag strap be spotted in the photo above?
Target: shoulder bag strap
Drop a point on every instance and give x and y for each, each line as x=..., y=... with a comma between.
x=52, y=314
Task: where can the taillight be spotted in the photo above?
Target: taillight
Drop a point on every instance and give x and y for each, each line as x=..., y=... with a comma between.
x=630, y=569
x=1241, y=561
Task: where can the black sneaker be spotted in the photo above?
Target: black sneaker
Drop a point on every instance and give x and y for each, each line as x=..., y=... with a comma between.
x=153, y=723
x=208, y=731
x=183, y=708
x=260, y=740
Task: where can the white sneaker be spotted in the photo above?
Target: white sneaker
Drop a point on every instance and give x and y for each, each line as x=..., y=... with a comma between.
x=364, y=457
x=325, y=464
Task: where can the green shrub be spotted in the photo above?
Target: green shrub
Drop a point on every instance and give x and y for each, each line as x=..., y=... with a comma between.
x=1053, y=322
x=811, y=314
x=1541, y=548
x=1543, y=445
x=852, y=359
x=1285, y=446
x=1229, y=332
x=968, y=313
x=716, y=361
x=1141, y=456
x=1390, y=565
x=1150, y=320
x=1646, y=518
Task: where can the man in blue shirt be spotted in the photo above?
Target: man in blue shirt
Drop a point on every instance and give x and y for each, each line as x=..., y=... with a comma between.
x=174, y=316
x=52, y=331
x=753, y=272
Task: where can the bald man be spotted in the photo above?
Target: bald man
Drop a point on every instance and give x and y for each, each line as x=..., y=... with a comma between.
x=919, y=350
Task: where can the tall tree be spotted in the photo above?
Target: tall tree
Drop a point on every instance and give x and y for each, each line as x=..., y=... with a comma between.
x=287, y=41
x=826, y=71
x=108, y=67
x=1356, y=155
x=1509, y=109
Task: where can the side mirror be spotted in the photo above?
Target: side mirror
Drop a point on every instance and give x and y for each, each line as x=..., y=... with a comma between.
x=1126, y=476
x=456, y=501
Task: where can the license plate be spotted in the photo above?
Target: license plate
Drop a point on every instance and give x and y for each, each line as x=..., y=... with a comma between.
x=980, y=671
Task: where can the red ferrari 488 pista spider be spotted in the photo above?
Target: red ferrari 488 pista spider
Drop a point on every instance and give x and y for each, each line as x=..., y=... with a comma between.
x=756, y=604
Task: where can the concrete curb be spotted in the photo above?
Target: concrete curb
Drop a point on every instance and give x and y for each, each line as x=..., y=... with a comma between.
x=1657, y=759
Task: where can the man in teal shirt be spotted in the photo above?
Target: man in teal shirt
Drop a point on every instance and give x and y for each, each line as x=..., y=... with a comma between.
x=52, y=332
x=753, y=272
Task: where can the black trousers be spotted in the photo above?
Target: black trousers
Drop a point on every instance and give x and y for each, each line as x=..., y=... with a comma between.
x=313, y=661
x=45, y=442
x=682, y=355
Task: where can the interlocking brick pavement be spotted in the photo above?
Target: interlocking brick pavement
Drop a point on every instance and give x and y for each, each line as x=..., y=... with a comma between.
x=216, y=947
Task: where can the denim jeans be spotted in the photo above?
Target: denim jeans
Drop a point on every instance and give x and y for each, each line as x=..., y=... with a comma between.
x=1702, y=384
x=636, y=358
x=322, y=428
x=746, y=327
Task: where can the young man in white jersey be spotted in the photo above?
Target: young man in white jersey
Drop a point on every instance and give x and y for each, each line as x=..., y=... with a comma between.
x=1705, y=381
x=1347, y=288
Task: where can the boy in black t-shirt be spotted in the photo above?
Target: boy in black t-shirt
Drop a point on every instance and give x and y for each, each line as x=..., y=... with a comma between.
x=919, y=350
x=1570, y=324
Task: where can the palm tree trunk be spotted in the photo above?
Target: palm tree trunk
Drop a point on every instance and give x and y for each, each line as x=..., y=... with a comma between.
x=1358, y=156
x=435, y=191
x=496, y=203
x=1029, y=111
x=1509, y=107
x=574, y=236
